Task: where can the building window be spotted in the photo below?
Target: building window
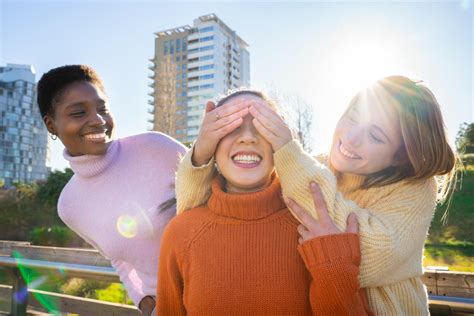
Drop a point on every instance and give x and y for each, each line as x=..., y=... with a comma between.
x=178, y=85
x=205, y=77
x=178, y=45
x=171, y=47
x=206, y=39
x=195, y=88
x=183, y=94
x=183, y=66
x=178, y=58
x=166, y=47
x=206, y=67
x=206, y=29
x=206, y=57
x=206, y=48
x=194, y=50
x=206, y=86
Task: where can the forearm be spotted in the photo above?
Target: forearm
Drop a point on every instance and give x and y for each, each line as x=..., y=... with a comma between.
x=333, y=262
x=389, y=234
x=193, y=184
x=132, y=283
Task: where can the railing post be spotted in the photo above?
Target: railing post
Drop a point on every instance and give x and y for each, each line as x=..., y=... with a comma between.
x=19, y=294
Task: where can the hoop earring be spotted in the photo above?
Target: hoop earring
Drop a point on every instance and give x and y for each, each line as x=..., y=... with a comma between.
x=53, y=136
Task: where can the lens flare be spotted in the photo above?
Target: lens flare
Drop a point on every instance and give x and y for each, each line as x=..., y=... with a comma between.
x=33, y=280
x=127, y=226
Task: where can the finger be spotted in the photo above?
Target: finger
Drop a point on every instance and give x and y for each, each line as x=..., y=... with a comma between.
x=304, y=232
x=274, y=124
x=264, y=131
x=320, y=204
x=226, y=129
x=229, y=108
x=210, y=106
x=221, y=122
x=301, y=214
x=352, y=224
x=268, y=111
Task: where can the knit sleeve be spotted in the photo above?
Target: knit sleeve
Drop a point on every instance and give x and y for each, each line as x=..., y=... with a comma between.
x=193, y=184
x=333, y=262
x=130, y=279
x=170, y=287
x=392, y=231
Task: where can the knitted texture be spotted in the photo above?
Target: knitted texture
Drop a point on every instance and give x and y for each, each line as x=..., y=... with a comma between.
x=239, y=255
x=393, y=222
x=113, y=200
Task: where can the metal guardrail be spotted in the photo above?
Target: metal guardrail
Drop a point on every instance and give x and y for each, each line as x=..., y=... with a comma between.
x=445, y=305
x=94, y=267
x=19, y=306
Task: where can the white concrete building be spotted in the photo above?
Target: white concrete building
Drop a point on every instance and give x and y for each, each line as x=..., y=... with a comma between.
x=211, y=57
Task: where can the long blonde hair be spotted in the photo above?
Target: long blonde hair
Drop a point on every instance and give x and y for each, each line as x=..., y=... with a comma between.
x=425, y=150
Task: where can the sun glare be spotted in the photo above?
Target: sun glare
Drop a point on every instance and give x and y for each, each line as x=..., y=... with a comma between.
x=352, y=60
x=357, y=62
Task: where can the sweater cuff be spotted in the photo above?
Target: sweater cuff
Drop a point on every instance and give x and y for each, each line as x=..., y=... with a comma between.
x=206, y=166
x=331, y=248
x=289, y=153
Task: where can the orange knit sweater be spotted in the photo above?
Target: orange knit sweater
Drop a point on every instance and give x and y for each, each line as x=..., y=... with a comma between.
x=239, y=255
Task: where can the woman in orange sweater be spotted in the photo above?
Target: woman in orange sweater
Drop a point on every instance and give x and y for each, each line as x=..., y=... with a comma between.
x=239, y=253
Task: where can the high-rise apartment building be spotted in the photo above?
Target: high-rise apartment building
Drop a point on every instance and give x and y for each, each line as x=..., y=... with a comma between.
x=23, y=137
x=191, y=66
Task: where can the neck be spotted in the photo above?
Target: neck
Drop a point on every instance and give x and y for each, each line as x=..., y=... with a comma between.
x=232, y=188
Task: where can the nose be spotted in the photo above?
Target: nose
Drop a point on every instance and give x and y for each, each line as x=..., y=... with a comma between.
x=353, y=136
x=247, y=133
x=97, y=119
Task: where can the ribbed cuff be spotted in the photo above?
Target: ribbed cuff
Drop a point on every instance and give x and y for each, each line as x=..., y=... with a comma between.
x=331, y=248
x=205, y=166
x=289, y=153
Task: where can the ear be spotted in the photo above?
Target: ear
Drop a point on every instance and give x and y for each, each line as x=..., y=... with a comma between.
x=50, y=125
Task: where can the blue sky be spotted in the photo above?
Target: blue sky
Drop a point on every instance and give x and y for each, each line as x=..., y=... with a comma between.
x=321, y=51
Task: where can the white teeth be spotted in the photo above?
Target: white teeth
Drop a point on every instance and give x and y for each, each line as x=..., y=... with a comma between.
x=95, y=136
x=246, y=158
x=347, y=153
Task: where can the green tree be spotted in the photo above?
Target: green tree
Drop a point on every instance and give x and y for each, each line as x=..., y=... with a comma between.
x=49, y=191
x=465, y=138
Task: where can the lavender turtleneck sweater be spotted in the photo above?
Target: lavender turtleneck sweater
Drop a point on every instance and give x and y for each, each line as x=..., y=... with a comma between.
x=112, y=201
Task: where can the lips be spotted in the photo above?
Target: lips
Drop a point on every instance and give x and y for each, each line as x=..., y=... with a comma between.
x=96, y=136
x=246, y=159
x=346, y=153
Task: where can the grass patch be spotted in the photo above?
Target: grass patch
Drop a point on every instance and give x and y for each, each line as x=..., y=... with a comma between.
x=456, y=257
x=452, y=244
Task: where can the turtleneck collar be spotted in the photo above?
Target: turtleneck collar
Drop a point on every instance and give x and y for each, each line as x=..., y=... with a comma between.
x=349, y=182
x=87, y=166
x=246, y=206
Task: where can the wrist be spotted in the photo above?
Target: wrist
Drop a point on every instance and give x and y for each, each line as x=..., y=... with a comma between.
x=147, y=304
x=198, y=159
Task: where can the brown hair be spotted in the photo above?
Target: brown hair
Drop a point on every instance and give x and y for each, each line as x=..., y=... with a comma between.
x=425, y=151
x=245, y=91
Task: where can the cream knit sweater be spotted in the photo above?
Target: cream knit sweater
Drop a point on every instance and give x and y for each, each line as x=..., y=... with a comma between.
x=393, y=221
